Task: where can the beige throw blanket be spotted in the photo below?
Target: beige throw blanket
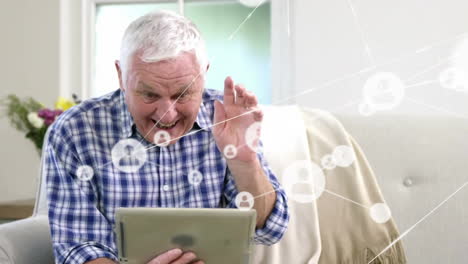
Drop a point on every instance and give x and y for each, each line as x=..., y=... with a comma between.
x=331, y=230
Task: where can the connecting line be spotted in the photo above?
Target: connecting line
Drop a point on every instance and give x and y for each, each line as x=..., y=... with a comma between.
x=362, y=71
x=424, y=49
x=421, y=83
x=361, y=33
x=414, y=76
x=201, y=71
x=328, y=83
x=436, y=108
x=323, y=85
x=344, y=198
x=196, y=131
x=422, y=219
x=175, y=101
x=263, y=194
x=245, y=20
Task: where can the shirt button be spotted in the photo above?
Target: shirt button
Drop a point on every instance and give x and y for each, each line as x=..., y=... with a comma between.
x=166, y=188
x=408, y=182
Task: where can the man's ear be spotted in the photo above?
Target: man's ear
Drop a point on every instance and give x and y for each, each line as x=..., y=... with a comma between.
x=119, y=73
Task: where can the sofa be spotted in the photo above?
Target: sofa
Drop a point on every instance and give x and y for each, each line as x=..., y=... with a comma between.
x=418, y=161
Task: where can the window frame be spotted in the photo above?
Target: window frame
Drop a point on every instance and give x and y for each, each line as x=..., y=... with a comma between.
x=77, y=76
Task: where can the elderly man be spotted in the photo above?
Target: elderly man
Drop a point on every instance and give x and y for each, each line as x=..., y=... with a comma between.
x=161, y=73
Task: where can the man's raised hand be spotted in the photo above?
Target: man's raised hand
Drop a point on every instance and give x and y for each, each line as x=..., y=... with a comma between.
x=238, y=112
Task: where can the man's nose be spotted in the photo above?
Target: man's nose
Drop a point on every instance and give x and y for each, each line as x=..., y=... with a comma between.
x=167, y=112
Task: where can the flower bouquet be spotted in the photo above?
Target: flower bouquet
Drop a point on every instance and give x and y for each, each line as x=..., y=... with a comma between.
x=31, y=117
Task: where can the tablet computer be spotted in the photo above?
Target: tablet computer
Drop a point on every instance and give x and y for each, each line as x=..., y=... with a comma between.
x=215, y=235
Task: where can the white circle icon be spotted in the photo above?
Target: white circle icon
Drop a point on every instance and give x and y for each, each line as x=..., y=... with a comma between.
x=380, y=213
x=344, y=155
x=304, y=181
x=84, y=173
x=195, y=177
x=365, y=109
x=453, y=79
x=162, y=138
x=252, y=136
x=128, y=155
x=383, y=91
x=328, y=162
x=230, y=151
x=244, y=201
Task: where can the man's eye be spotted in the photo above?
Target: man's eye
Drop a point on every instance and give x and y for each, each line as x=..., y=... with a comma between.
x=149, y=96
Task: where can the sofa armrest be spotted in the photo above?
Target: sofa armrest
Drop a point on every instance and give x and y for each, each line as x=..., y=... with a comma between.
x=26, y=241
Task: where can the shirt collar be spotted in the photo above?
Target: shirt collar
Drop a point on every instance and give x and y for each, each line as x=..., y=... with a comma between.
x=203, y=120
x=126, y=117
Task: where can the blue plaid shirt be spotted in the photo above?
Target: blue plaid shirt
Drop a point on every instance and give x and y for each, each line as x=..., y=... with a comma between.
x=81, y=213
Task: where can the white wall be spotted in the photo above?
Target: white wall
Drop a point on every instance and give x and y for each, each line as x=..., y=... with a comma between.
x=328, y=46
x=29, y=51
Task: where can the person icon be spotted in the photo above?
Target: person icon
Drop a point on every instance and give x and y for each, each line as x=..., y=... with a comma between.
x=304, y=181
x=230, y=151
x=84, y=173
x=128, y=159
x=344, y=155
x=328, y=162
x=162, y=138
x=453, y=78
x=195, y=177
x=303, y=185
x=244, y=201
x=128, y=155
x=383, y=91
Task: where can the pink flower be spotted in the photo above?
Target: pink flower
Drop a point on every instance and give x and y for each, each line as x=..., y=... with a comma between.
x=49, y=115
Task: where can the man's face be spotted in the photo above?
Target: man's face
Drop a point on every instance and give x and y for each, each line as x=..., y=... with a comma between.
x=155, y=92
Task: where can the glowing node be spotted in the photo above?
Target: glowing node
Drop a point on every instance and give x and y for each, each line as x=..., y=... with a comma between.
x=365, y=109
x=244, y=201
x=84, y=173
x=453, y=79
x=128, y=155
x=380, y=213
x=344, y=155
x=304, y=181
x=383, y=91
x=162, y=138
x=230, y=151
x=195, y=177
x=328, y=162
x=252, y=136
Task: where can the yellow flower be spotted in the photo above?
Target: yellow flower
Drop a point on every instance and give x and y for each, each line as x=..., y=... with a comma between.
x=63, y=104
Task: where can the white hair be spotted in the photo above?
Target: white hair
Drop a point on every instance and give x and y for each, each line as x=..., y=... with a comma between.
x=162, y=35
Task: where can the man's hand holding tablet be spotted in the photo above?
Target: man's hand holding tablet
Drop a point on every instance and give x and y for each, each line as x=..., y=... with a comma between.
x=176, y=256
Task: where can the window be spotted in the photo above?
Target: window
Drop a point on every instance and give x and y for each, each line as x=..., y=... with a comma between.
x=246, y=57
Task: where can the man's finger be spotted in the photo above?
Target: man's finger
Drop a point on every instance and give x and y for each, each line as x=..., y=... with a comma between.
x=167, y=257
x=186, y=258
x=250, y=99
x=240, y=94
x=229, y=93
x=258, y=115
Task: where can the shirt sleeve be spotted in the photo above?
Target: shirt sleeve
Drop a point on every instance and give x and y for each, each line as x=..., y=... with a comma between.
x=277, y=222
x=80, y=232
